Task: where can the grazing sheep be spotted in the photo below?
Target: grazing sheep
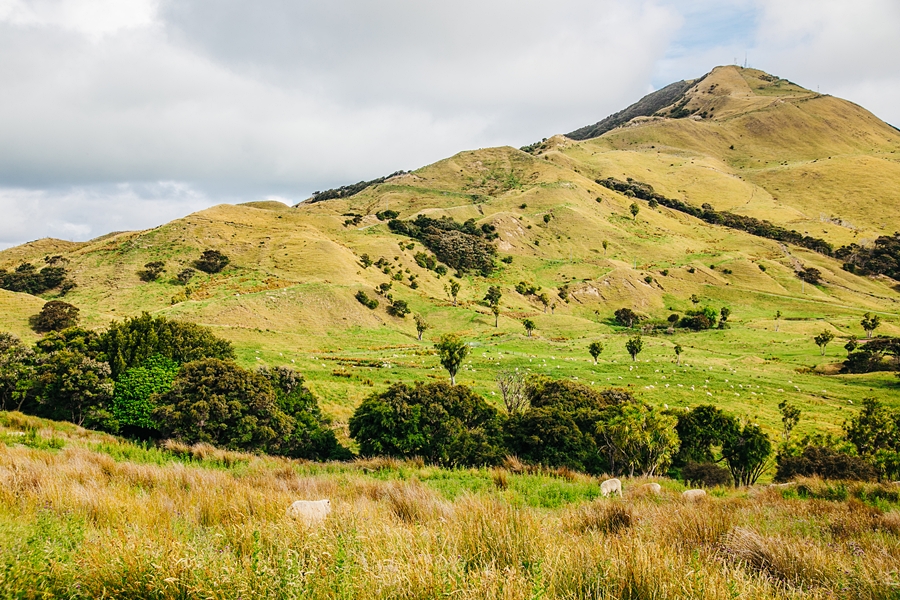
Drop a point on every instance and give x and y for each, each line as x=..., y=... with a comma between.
x=311, y=512
x=610, y=487
x=653, y=488
x=693, y=495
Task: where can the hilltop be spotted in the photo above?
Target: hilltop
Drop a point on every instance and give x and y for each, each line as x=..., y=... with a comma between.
x=738, y=140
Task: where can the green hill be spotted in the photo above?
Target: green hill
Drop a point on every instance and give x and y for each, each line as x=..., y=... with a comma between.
x=737, y=139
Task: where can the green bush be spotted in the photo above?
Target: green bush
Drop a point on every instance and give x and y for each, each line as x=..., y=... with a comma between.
x=211, y=261
x=443, y=424
x=55, y=315
x=133, y=403
x=705, y=474
x=824, y=462
x=364, y=299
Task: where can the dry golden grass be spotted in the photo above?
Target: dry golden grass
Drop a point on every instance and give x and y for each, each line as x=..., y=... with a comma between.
x=195, y=522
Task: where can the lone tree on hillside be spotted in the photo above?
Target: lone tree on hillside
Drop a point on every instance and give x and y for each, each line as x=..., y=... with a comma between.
x=545, y=300
x=851, y=345
x=626, y=317
x=55, y=316
x=512, y=387
x=725, y=312
x=605, y=246
x=595, y=348
x=635, y=209
x=634, y=346
x=493, y=298
x=453, y=290
x=822, y=340
x=870, y=323
x=677, y=354
x=529, y=326
x=152, y=271
x=777, y=318
x=452, y=352
x=790, y=416
x=211, y=261
x=184, y=276
x=421, y=325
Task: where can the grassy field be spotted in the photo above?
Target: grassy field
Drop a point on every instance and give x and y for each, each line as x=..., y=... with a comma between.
x=84, y=515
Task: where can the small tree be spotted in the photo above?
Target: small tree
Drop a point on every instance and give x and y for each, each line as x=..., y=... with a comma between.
x=545, y=300
x=626, y=317
x=677, y=354
x=605, y=245
x=870, y=323
x=493, y=299
x=635, y=209
x=822, y=340
x=211, y=261
x=529, y=326
x=421, y=325
x=695, y=299
x=452, y=352
x=747, y=454
x=496, y=310
x=16, y=371
x=453, y=290
x=595, y=348
x=851, y=345
x=790, y=416
x=634, y=346
x=398, y=308
x=777, y=318
x=152, y=271
x=55, y=315
x=512, y=387
x=725, y=312
x=184, y=276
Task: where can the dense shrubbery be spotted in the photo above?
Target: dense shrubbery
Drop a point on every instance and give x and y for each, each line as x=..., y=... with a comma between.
x=824, y=462
x=345, y=191
x=27, y=278
x=462, y=246
x=441, y=423
x=707, y=213
x=869, y=356
x=55, y=315
x=882, y=257
x=706, y=474
x=211, y=261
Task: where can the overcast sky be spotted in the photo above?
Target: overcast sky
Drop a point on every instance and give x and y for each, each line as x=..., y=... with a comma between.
x=124, y=114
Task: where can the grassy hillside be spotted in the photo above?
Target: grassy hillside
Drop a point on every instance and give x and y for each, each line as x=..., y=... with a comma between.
x=85, y=515
x=287, y=297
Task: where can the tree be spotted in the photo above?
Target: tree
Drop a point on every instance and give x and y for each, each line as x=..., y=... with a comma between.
x=777, y=318
x=747, y=454
x=72, y=386
x=702, y=430
x=823, y=339
x=495, y=309
x=705, y=474
x=678, y=350
x=790, y=416
x=851, y=345
x=641, y=438
x=133, y=403
x=512, y=387
x=595, y=348
x=421, y=325
x=217, y=402
x=16, y=371
x=810, y=275
x=725, y=312
x=545, y=300
x=132, y=342
x=443, y=424
x=695, y=299
x=152, y=271
x=453, y=290
x=211, y=261
x=184, y=276
x=529, y=326
x=452, y=352
x=605, y=245
x=870, y=323
x=875, y=433
x=626, y=317
x=824, y=462
x=635, y=209
x=55, y=315
x=493, y=299
x=398, y=308
x=634, y=346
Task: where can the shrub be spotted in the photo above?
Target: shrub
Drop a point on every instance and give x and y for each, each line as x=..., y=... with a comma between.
x=824, y=462
x=132, y=342
x=463, y=246
x=152, y=271
x=132, y=403
x=398, y=308
x=55, y=315
x=387, y=215
x=184, y=276
x=217, y=402
x=426, y=261
x=26, y=278
x=627, y=317
x=211, y=261
x=705, y=474
x=364, y=299
x=810, y=275
x=16, y=371
x=441, y=423
x=73, y=386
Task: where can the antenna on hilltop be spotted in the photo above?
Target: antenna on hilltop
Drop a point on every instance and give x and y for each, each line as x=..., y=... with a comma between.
x=745, y=60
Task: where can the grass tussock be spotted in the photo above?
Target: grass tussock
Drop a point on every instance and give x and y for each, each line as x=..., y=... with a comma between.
x=100, y=518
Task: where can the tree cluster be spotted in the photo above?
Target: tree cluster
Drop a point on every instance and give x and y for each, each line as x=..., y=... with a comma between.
x=27, y=278
x=882, y=257
x=462, y=246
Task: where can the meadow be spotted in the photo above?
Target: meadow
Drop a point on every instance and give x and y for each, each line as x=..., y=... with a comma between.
x=85, y=515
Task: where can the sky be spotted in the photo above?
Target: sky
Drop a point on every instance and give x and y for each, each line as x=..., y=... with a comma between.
x=125, y=114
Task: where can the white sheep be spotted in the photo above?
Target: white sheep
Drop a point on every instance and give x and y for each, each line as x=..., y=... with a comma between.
x=610, y=487
x=311, y=512
x=693, y=495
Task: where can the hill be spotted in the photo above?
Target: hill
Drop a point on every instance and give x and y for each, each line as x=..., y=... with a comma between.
x=737, y=139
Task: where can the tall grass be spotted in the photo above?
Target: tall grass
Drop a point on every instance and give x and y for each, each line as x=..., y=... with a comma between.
x=80, y=522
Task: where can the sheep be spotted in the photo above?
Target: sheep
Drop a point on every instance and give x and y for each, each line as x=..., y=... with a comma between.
x=653, y=488
x=311, y=512
x=693, y=495
x=610, y=487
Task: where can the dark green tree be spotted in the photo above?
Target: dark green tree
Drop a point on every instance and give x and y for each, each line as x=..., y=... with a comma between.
x=217, y=402
x=870, y=323
x=16, y=371
x=595, y=348
x=131, y=342
x=823, y=339
x=703, y=430
x=635, y=209
x=529, y=326
x=184, y=276
x=790, y=416
x=152, y=271
x=211, y=261
x=678, y=350
x=875, y=433
x=452, y=351
x=72, y=386
x=421, y=325
x=398, y=308
x=443, y=424
x=747, y=454
x=634, y=345
x=627, y=317
x=55, y=315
